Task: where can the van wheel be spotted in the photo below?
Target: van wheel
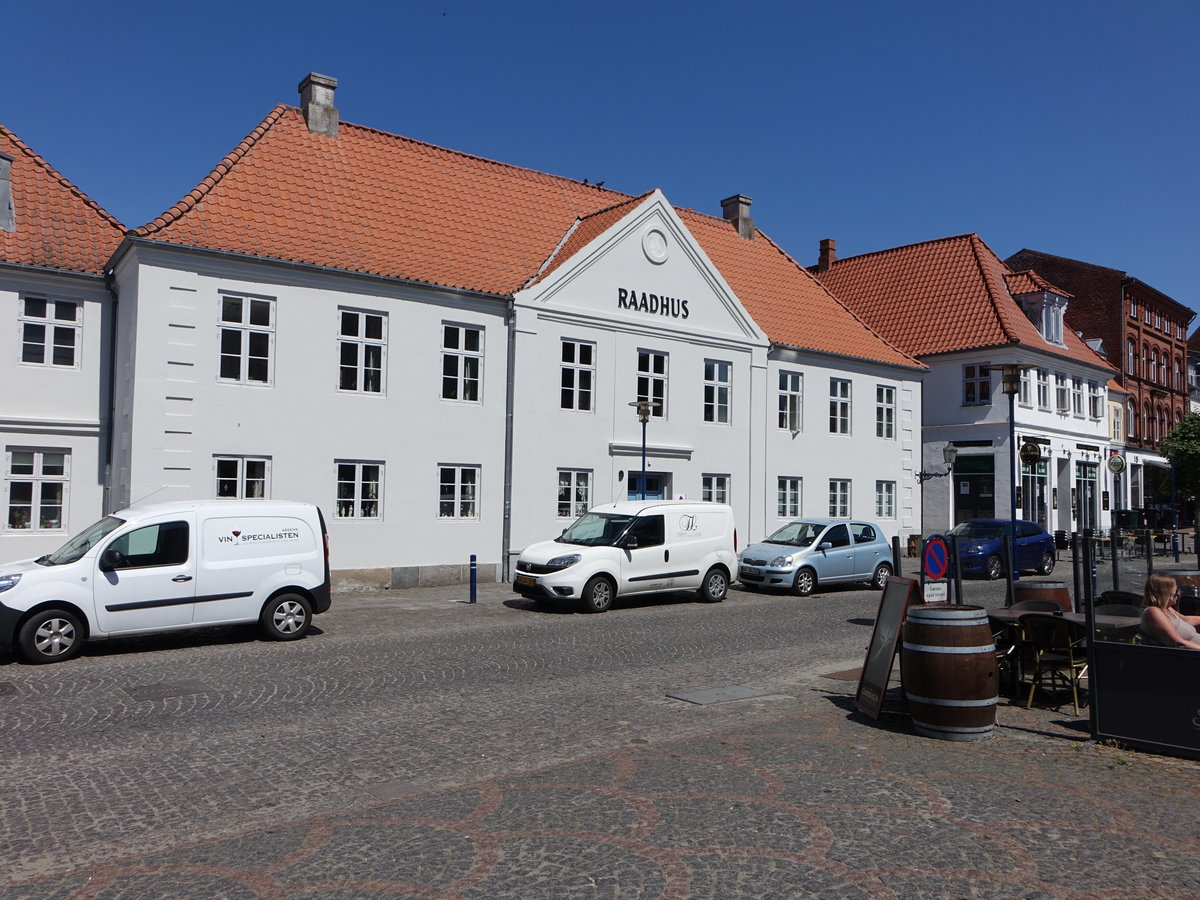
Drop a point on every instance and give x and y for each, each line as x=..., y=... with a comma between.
x=52, y=635
x=806, y=582
x=715, y=586
x=597, y=594
x=285, y=617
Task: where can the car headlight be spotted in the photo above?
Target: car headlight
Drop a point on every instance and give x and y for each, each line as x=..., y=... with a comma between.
x=562, y=562
x=781, y=562
x=974, y=550
x=8, y=581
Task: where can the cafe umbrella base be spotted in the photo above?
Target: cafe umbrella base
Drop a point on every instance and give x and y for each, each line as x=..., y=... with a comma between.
x=948, y=670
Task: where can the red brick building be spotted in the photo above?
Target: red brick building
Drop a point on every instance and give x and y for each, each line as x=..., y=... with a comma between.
x=1144, y=333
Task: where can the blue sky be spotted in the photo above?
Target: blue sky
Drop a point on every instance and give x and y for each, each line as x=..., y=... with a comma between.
x=1064, y=126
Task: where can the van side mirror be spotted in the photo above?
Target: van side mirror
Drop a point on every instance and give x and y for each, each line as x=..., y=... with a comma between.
x=111, y=559
x=629, y=542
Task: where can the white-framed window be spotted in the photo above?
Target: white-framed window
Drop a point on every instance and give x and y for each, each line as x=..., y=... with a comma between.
x=458, y=492
x=977, y=385
x=1145, y=315
x=35, y=488
x=362, y=349
x=1043, y=388
x=789, y=495
x=839, y=406
x=247, y=339
x=717, y=376
x=242, y=477
x=1131, y=418
x=1154, y=369
x=50, y=332
x=1077, y=396
x=652, y=381
x=359, y=489
x=574, y=492
x=1025, y=391
x=462, y=362
x=1117, y=424
x=1130, y=357
x=1095, y=399
x=577, y=377
x=1133, y=307
x=885, y=411
x=791, y=401
x=714, y=488
x=1178, y=374
x=839, y=497
x=885, y=499
x=1062, y=392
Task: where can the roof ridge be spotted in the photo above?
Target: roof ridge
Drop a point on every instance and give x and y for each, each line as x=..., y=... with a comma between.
x=61, y=179
x=210, y=181
x=941, y=240
x=976, y=242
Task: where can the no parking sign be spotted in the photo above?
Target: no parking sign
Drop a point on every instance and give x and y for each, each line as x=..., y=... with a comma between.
x=935, y=561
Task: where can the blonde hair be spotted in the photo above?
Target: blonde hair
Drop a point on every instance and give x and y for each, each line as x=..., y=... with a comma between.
x=1160, y=591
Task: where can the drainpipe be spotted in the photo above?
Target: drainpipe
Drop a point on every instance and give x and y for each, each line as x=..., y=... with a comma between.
x=110, y=425
x=509, y=399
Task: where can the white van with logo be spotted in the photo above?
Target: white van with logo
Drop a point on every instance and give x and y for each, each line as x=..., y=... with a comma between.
x=166, y=567
x=635, y=547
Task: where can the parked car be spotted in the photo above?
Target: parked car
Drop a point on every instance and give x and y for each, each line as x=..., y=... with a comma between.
x=807, y=552
x=981, y=547
x=170, y=566
x=635, y=547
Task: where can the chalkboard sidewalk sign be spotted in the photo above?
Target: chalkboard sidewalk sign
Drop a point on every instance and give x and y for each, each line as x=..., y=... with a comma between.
x=898, y=595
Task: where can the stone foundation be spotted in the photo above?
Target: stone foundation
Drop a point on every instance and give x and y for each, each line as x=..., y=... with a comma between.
x=350, y=580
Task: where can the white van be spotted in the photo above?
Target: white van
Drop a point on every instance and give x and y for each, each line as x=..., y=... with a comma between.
x=170, y=566
x=636, y=547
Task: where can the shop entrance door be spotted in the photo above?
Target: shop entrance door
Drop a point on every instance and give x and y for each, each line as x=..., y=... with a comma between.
x=657, y=485
x=1035, y=494
x=974, y=488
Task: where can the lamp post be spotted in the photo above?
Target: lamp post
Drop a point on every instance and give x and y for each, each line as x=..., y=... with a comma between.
x=644, y=408
x=1010, y=383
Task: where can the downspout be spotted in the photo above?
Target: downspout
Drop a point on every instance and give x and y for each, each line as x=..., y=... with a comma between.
x=509, y=400
x=109, y=426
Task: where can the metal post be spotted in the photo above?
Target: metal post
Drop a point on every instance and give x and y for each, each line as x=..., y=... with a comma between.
x=474, y=578
x=1077, y=565
x=643, y=492
x=1012, y=503
x=896, y=556
x=1149, y=538
x=1114, y=534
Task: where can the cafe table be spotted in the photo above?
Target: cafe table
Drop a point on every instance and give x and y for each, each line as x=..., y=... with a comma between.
x=1115, y=628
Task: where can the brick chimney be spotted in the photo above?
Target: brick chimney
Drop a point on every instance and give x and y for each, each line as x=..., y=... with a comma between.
x=828, y=254
x=316, y=101
x=736, y=209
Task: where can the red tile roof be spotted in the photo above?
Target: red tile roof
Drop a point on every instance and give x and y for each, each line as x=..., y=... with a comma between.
x=57, y=226
x=945, y=295
x=1029, y=282
x=378, y=203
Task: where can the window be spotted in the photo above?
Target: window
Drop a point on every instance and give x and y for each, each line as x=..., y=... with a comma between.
x=977, y=386
x=1077, y=396
x=885, y=411
x=1133, y=307
x=839, y=406
x=1146, y=315
x=1154, y=370
x=652, y=381
x=1147, y=372
x=714, y=488
x=1132, y=419
x=1062, y=393
x=1131, y=357
x=1095, y=400
x=462, y=362
x=788, y=503
x=839, y=497
x=359, y=490
x=247, y=335
x=837, y=535
x=1026, y=380
x=362, y=339
x=885, y=499
x=242, y=477
x=164, y=544
x=1178, y=374
x=650, y=531
x=1117, y=426
x=574, y=492
x=577, y=375
x=791, y=401
x=458, y=492
x=716, y=391
x=50, y=332
x=36, y=488
x=1043, y=389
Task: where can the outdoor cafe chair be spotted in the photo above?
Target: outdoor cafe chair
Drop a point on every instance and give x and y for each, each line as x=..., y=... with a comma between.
x=1119, y=609
x=1037, y=605
x=1053, y=653
x=1107, y=598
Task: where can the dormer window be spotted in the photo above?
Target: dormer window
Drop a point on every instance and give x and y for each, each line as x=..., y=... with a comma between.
x=1046, y=311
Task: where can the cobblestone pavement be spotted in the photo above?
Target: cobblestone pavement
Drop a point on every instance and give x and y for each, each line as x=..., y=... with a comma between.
x=789, y=794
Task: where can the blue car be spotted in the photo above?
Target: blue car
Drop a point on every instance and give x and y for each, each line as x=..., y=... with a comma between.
x=981, y=547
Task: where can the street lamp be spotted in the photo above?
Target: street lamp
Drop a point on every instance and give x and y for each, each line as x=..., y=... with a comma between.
x=949, y=454
x=1010, y=383
x=644, y=408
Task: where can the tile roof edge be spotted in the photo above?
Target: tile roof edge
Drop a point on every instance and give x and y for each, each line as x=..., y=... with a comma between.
x=549, y=261
x=941, y=240
x=194, y=196
x=39, y=160
x=978, y=246
x=916, y=365
x=1039, y=281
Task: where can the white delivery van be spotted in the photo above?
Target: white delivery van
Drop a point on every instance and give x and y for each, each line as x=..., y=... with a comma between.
x=635, y=547
x=170, y=566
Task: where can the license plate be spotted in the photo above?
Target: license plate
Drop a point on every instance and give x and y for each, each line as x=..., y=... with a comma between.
x=746, y=570
x=526, y=581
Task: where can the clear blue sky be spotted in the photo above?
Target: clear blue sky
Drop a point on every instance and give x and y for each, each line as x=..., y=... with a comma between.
x=1068, y=126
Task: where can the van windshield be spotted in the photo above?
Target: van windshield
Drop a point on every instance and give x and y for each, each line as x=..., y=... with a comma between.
x=595, y=530
x=82, y=542
x=798, y=534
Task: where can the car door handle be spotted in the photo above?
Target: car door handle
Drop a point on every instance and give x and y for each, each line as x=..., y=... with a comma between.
x=182, y=578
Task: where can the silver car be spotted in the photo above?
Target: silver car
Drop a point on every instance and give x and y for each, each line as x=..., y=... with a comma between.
x=808, y=552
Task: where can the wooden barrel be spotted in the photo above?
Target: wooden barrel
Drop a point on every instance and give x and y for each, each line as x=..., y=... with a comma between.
x=948, y=669
x=1043, y=590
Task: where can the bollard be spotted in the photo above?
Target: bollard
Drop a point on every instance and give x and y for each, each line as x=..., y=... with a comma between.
x=896, y=555
x=474, y=578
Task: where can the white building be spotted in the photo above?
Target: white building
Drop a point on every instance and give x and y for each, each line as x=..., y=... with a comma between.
x=441, y=352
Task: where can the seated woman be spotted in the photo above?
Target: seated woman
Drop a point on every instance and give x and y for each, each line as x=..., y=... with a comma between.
x=1161, y=622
